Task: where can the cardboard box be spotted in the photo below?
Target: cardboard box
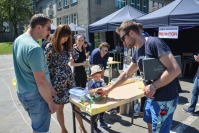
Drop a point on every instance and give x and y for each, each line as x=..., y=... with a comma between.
x=153, y=68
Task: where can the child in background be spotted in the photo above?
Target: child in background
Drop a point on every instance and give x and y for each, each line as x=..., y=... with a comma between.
x=96, y=82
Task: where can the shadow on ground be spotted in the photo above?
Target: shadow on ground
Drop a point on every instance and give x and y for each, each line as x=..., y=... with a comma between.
x=188, y=129
x=182, y=100
x=112, y=119
x=187, y=79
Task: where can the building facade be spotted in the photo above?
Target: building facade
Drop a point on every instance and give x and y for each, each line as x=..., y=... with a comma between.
x=85, y=12
x=82, y=12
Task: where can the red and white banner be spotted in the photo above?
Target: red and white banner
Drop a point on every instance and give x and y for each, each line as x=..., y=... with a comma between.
x=168, y=32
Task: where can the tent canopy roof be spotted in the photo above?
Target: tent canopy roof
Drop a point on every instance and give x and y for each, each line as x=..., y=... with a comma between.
x=110, y=22
x=177, y=13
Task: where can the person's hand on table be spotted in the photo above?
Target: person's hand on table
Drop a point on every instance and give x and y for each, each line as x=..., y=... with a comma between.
x=103, y=91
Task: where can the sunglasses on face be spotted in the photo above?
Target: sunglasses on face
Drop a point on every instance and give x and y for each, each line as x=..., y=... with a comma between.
x=123, y=37
x=104, y=51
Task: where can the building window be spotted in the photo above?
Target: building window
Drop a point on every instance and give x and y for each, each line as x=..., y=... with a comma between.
x=59, y=4
x=138, y=4
x=74, y=18
x=144, y=5
x=98, y=1
x=66, y=20
x=133, y=3
x=41, y=10
x=73, y=1
x=50, y=12
x=33, y=6
x=120, y=3
x=65, y=3
x=59, y=21
x=50, y=5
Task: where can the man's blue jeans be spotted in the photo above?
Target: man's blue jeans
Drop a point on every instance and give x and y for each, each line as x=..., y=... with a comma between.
x=37, y=109
x=194, y=98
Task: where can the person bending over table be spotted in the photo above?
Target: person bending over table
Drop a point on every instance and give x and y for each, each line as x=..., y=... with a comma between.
x=162, y=93
x=99, y=56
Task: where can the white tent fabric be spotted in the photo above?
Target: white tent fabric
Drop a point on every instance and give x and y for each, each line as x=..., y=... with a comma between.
x=75, y=28
x=53, y=27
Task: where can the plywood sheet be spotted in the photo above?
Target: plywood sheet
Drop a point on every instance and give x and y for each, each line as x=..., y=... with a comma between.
x=117, y=97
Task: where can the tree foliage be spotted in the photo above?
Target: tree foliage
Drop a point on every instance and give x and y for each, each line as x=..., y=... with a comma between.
x=16, y=12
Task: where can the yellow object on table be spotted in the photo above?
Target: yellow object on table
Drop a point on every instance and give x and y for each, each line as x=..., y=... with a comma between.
x=110, y=63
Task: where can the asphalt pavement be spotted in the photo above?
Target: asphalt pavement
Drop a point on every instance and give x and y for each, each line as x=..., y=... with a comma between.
x=13, y=118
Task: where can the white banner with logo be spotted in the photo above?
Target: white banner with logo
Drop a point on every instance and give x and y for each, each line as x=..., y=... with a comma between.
x=168, y=32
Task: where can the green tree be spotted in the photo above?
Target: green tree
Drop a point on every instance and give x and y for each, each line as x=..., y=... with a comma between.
x=17, y=12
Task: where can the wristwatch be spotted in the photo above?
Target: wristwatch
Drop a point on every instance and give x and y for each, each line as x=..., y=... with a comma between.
x=152, y=87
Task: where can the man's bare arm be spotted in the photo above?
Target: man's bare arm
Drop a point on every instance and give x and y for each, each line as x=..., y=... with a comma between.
x=121, y=79
x=172, y=71
x=44, y=89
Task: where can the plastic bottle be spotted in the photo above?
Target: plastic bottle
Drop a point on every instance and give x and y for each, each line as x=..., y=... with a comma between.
x=14, y=83
x=136, y=108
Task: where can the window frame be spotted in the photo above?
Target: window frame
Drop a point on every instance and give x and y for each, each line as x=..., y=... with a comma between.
x=132, y=3
x=138, y=4
x=66, y=18
x=98, y=2
x=73, y=1
x=65, y=3
x=120, y=4
x=59, y=21
x=59, y=4
x=74, y=18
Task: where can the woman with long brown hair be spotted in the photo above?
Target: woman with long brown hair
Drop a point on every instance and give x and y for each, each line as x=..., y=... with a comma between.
x=58, y=55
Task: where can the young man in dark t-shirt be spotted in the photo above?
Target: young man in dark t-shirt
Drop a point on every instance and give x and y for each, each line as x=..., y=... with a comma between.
x=99, y=56
x=162, y=93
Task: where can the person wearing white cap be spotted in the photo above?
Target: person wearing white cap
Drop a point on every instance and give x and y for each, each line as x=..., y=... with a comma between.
x=96, y=82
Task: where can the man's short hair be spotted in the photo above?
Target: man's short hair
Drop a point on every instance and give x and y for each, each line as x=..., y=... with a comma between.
x=126, y=26
x=104, y=44
x=39, y=19
x=140, y=27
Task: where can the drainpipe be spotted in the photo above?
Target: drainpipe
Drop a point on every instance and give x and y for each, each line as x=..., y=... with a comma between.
x=89, y=19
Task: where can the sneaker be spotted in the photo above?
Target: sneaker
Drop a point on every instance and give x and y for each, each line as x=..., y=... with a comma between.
x=104, y=125
x=97, y=130
x=187, y=111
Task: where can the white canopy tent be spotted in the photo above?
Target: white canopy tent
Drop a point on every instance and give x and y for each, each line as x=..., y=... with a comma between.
x=53, y=27
x=76, y=28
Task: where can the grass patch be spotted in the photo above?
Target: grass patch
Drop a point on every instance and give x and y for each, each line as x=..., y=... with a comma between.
x=6, y=48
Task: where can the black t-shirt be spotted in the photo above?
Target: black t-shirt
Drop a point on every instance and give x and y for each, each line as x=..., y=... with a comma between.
x=154, y=48
x=78, y=57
